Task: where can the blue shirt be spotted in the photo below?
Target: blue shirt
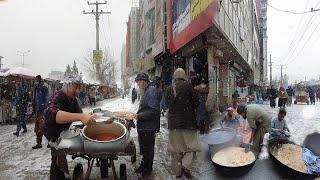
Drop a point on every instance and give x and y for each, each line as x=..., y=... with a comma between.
x=279, y=125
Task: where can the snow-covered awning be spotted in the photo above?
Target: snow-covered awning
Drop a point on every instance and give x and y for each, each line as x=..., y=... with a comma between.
x=20, y=72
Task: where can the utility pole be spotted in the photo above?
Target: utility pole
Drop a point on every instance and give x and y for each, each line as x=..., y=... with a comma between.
x=23, y=54
x=97, y=14
x=281, y=85
x=270, y=71
x=1, y=62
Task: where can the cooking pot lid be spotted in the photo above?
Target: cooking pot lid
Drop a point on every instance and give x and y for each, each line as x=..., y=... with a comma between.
x=312, y=142
x=220, y=136
x=70, y=133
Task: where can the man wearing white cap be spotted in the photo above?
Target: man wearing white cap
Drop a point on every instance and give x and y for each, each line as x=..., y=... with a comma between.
x=62, y=110
x=230, y=119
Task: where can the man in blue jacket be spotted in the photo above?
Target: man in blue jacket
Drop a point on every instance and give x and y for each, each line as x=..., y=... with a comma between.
x=40, y=104
x=148, y=121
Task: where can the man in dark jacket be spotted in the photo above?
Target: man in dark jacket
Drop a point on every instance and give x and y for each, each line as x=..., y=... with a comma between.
x=148, y=121
x=273, y=96
x=21, y=102
x=290, y=93
x=40, y=104
x=62, y=110
x=134, y=95
x=312, y=95
x=182, y=124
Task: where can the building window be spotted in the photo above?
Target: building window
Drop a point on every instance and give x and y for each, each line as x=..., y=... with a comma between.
x=150, y=19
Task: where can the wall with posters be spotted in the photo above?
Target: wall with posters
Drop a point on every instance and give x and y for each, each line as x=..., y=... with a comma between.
x=188, y=19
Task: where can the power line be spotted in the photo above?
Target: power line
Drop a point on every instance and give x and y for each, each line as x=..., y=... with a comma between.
x=299, y=42
x=295, y=35
x=296, y=41
x=90, y=27
x=291, y=12
x=304, y=45
x=97, y=13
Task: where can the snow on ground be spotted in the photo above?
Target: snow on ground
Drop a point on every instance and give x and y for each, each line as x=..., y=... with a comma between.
x=19, y=161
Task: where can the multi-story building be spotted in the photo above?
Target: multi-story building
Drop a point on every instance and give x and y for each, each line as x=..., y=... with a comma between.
x=56, y=75
x=264, y=8
x=132, y=40
x=218, y=41
x=123, y=63
x=151, y=33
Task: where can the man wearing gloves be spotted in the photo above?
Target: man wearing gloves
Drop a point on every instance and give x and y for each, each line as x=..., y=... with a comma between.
x=259, y=121
x=148, y=121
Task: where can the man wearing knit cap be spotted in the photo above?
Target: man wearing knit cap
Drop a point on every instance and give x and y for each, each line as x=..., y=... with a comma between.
x=148, y=121
x=62, y=110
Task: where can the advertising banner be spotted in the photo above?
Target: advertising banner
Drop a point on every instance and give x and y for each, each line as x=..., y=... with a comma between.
x=188, y=19
x=97, y=56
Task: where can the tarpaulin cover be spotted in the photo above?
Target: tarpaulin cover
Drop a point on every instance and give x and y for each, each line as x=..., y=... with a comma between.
x=312, y=161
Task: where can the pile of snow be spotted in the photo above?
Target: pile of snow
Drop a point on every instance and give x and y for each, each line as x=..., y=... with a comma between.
x=20, y=71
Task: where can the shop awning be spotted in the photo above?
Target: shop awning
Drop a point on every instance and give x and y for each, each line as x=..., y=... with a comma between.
x=20, y=72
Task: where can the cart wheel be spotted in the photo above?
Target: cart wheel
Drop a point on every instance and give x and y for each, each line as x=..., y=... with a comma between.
x=78, y=172
x=123, y=172
x=104, y=168
x=295, y=102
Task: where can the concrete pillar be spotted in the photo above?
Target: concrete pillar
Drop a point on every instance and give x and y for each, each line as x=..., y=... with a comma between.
x=213, y=73
x=224, y=92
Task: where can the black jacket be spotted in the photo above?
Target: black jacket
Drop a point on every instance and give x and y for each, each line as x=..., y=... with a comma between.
x=149, y=109
x=58, y=102
x=182, y=107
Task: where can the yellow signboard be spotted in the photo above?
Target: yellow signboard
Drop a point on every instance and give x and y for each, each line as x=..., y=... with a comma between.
x=97, y=56
x=198, y=6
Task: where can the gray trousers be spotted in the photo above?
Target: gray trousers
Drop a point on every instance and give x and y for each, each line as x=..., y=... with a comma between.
x=181, y=161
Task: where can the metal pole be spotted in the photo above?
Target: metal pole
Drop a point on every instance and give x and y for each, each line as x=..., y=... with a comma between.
x=97, y=39
x=270, y=71
x=97, y=14
x=281, y=78
x=1, y=61
x=229, y=99
x=23, y=60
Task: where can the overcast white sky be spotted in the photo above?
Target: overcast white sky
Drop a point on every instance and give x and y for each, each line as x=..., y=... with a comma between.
x=57, y=33
x=282, y=29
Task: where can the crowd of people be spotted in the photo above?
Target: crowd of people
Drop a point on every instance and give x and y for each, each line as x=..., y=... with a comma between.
x=187, y=113
x=285, y=96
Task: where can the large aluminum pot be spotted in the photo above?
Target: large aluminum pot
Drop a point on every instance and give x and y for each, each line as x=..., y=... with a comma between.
x=220, y=138
x=70, y=141
x=115, y=145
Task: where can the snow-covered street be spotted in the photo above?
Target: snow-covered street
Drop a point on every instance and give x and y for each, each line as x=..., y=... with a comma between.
x=19, y=161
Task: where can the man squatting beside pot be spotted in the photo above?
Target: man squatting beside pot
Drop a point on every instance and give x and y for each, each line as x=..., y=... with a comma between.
x=62, y=110
x=259, y=121
x=148, y=121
